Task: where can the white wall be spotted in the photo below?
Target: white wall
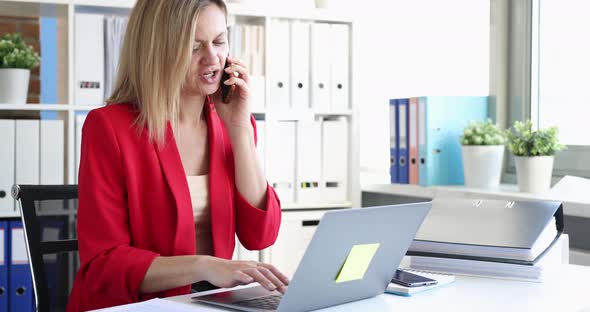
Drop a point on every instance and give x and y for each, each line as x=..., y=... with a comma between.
x=413, y=48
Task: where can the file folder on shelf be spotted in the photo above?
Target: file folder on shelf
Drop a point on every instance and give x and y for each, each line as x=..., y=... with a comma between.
x=27, y=152
x=309, y=161
x=79, y=124
x=444, y=118
x=20, y=280
x=413, y=177
x=340, y=67
x=320, y=67
x=89, y=59
x=402, y=141
x=280, y=159
x=7, y=153
x=300, y=54
x=4, y=243
x=260, y=142
x=52, y=152
x=278, y=65
x=334, y=160
x=518, y=232
x=393, y=154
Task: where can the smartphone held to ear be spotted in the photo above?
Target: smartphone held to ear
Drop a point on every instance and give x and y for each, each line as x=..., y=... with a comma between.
x=226, y=90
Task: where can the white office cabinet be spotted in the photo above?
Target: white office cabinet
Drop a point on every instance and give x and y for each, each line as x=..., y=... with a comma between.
x=339, y=83
x=321, y=59
x=291, y=47
x=278, y=65
x=7, y=136
x=300, y=55
x=297, y=229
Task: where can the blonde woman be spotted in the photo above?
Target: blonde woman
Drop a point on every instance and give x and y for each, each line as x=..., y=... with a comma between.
x=169, y=173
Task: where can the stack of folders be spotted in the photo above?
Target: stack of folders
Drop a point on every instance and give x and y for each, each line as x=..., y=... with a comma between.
x=518, y=240
x=441, y=278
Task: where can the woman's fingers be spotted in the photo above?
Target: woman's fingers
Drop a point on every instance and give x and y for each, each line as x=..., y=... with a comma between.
x=261, y=279
x=273, y=278
x=238, y=82
x=240, y=69
x=242, y=278
x=282, y=277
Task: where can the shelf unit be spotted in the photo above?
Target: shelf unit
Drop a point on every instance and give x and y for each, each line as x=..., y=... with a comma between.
x=64, y=11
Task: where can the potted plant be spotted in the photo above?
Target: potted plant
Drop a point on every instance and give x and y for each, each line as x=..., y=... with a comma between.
x=482, y=148
x=16, y=61
x=534, y=153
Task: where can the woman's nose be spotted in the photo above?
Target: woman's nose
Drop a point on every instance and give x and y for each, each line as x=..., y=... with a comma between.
x=210, y=55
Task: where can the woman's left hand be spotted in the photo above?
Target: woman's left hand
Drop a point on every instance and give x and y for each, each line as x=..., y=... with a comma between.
x=236, y=113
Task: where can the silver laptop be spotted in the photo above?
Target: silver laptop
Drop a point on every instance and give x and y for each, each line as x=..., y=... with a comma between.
x=380, y=236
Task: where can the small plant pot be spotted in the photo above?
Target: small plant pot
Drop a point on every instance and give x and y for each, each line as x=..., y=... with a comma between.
x=482, y=165
x=14, y=85
x=534, y=173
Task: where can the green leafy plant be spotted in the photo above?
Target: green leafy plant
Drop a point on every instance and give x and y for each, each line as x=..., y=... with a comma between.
x=15, y=53
x=482, y=133
x=523, y=141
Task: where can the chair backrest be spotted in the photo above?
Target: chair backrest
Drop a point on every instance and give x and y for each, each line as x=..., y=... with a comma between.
x=48, y=214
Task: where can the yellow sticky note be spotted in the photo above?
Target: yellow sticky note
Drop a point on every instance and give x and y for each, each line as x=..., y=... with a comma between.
x=357, y=262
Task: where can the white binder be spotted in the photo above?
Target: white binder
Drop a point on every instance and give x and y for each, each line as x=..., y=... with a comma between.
x=340, y=67
x=300, y=54
x=241, y=253
x=334, y=160
x=7, y=135
x=260, y=146
x=27, y=152
x=320, y=66
x=52, y=152
x=89, y=59
x=278, y=65
x=309, y=161
x=79, y=123
x=280, y=159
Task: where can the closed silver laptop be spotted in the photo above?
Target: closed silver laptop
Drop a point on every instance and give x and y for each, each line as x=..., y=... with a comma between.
x=380, y=236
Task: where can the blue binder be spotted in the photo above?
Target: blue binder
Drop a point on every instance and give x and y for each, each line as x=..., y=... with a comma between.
x=4, y=265
x=403, y=168
x=445, y=118
x=393, y=155
x=20, y=281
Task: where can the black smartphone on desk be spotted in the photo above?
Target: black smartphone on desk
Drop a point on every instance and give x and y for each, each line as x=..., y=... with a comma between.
x=411, y=280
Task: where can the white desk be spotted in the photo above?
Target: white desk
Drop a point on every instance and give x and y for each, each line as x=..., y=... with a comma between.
x=568, y=292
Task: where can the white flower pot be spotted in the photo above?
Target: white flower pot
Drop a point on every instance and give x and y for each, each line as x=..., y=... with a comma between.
x=534, y=173
x=14, y=85
x=482, y=165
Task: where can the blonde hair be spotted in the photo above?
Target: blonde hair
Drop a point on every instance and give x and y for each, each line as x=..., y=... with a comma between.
x=155, y=60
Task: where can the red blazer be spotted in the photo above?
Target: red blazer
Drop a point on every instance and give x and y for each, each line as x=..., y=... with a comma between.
x=134, y=205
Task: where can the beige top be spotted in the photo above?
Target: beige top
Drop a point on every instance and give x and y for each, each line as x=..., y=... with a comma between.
x=199, y=190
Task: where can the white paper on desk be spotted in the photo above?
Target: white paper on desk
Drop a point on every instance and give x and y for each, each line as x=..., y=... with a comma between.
x=571, y=189
x=159, y=305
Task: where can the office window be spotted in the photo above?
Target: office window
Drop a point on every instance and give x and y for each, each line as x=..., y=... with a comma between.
x=560, y=80
x=563, y=67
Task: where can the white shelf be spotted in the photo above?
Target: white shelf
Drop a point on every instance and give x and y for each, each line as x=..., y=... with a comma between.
x=505, y=191
x=79, y=108
x=312, y=206
x=34, y=107
x=264, y=9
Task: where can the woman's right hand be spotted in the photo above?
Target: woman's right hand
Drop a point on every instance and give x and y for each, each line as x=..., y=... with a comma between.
x=229, y=273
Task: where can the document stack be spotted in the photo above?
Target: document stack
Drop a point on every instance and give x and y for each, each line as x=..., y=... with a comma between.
x=503, y=239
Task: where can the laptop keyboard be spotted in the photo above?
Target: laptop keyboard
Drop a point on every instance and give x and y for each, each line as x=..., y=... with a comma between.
x=270, y=302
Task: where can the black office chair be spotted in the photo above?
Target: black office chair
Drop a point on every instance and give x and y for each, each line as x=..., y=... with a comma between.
x=48, y=213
